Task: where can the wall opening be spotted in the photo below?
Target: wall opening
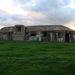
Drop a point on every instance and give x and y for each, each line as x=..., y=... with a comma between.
x=67, y=37
x=45, y=34
x=33, y=34
x=59, y=34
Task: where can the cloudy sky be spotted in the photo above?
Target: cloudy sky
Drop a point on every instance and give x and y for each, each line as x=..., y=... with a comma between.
x=37, y=12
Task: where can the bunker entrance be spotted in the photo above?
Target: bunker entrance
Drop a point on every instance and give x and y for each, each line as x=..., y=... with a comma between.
x=67, y=37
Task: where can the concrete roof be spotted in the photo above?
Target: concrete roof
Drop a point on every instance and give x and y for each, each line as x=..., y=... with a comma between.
x=48, y=28
x=6, y=29
x=40, y=28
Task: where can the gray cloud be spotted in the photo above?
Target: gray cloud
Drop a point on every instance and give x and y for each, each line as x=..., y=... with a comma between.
x=61, y=16
x=3, y=15
x=66, y=2
x=55, y=11
x=22, y=1
x=8, y=19
x=43, y=12
x=17, y=17
x=46, y=5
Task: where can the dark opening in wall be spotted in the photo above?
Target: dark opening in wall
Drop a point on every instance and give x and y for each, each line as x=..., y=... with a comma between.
x=18, y=29
x=67, y=37
x=33, y=34
x=59, y=34
x=45, y=34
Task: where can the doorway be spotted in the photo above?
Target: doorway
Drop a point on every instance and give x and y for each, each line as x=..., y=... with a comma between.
x=67, y=37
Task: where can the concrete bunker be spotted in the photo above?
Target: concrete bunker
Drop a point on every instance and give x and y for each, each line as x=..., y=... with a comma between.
x=40, y=33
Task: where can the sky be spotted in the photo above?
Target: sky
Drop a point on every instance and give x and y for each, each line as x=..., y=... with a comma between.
x=37, y=12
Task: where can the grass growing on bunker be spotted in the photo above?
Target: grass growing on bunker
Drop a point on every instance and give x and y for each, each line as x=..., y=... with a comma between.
x=37, y=58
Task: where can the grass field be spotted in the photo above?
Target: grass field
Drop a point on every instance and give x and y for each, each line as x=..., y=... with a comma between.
x=37, y=58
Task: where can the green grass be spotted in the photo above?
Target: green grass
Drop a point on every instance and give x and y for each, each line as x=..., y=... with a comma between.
x=37, y=58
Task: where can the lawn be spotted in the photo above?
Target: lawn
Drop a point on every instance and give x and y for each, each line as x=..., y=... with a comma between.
x=37, y=58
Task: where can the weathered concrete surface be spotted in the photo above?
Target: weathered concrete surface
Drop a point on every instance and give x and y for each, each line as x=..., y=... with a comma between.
x=18, y=34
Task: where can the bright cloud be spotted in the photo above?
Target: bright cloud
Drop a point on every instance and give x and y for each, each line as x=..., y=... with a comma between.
x=6, y=3
x=15, y=10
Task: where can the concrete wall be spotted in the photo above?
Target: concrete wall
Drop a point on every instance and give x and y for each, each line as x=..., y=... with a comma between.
x=48, y=36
